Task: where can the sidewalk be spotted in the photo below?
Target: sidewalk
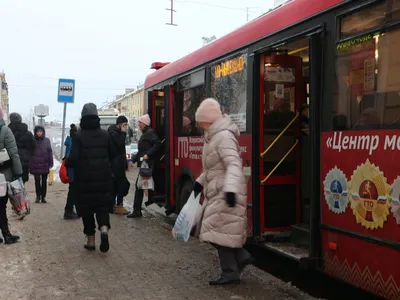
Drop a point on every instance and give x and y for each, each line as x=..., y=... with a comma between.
x=144, y=262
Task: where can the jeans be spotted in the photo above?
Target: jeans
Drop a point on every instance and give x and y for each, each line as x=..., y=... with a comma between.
x=119, y=187
x=89, y=224
x=69, y=207
x=138, y=201
x=230, y=260
x=41, y=185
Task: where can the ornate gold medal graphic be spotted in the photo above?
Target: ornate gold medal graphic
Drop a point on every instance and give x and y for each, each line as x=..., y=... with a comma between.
x=369, y=192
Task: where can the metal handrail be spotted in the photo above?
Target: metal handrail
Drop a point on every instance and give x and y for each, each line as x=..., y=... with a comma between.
x=162, y=157
x=280, y=135
x=279, y=163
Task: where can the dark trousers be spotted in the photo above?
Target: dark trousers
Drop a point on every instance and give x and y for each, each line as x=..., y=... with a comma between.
x=230, y=260
x=41, y=185
x=69, y=206
x=89, y=224
x=138, y=201
x=3, y=216
x=119, y=189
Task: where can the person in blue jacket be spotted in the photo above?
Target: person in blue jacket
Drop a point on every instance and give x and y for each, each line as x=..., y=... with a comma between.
x=69, y=213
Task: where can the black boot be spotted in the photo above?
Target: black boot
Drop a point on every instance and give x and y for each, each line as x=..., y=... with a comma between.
x=223, y=281
x=1, y=240
x=37, y=199
x=8, y=237
x=70, y=215
x=135, y=214
x=44, y=200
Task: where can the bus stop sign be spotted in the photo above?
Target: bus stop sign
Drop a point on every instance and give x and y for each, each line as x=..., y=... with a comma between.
x=66, y=91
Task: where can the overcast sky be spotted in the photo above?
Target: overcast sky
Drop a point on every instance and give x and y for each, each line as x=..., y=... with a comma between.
x=105, y=46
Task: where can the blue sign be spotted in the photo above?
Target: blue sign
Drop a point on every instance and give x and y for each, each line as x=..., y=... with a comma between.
x=66, y=91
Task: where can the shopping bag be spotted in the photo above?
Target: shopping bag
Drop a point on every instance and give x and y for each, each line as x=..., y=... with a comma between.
x=189, y=216
x=145, y=183
x=63, y=173
x=19, y=198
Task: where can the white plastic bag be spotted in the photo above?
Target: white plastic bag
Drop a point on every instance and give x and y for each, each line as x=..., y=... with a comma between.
x=19, y=198
x=145, y=183
x=189, y=216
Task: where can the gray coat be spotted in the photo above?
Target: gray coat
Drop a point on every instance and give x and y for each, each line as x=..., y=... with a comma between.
x=7, y=141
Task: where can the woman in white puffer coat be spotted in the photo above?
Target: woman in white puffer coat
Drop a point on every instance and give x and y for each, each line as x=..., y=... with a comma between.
x=224, y=222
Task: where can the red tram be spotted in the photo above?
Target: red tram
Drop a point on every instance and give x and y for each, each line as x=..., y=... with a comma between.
x=312, y=87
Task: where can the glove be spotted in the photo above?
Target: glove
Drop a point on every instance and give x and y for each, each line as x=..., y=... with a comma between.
x=197, y=188
x=16, y=177
x=230, y=199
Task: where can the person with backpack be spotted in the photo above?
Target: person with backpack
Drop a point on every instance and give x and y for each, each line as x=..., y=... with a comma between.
x=12, y=170
x=69, y=213
x=25, y=142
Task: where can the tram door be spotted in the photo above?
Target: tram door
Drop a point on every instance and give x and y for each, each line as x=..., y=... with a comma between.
x=158, y=122
x=282, y=94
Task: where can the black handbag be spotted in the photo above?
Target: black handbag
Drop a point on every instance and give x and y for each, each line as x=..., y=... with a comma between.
x=145, y=170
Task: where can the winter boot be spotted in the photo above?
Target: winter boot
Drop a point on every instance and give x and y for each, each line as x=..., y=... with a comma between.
x=90, y=243
x=135, y=214
x=120, y=210
x=104, y=245
x=70, y=215
x=8, y=237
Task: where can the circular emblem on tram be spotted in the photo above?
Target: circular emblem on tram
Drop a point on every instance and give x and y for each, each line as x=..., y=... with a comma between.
x=395, y=196
x=369, y=196
x=336, y=191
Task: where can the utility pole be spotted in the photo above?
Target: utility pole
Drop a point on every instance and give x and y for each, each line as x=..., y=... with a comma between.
x=172, y=14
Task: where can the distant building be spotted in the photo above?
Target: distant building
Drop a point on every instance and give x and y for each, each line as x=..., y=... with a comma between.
x=131, y=104
x=4, y=99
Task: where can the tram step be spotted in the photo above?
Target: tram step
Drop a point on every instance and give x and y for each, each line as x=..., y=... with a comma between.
x=300, y=235
x=288, y=250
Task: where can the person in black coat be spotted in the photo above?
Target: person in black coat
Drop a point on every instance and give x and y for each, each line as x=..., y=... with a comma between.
x=25, y=142
x=148, y=150
x=91, y=159
x=119, y=164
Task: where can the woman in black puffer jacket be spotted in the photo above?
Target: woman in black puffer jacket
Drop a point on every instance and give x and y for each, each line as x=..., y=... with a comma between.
x=25, y=142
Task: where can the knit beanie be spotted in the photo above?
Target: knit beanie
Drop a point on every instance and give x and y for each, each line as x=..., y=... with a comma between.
x=121, y=120
x=15, y=118
x=145, y=119
x=209, y=111
x=89, y=109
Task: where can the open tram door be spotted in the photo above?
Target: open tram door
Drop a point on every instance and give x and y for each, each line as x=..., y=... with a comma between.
x=282, y=96
x=160, y=106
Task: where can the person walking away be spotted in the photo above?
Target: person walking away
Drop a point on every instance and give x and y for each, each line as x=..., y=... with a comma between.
x=25, y=142
x=148, y=147
x=41, y=163
x=91, y=159
x=224, y=222
x=118, y=133
x=12, y=169
x=69, y=213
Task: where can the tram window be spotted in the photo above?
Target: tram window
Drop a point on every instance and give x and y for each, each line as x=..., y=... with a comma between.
x=369, y=17
x=367, y=82
x=229, y=87
x=186, y=104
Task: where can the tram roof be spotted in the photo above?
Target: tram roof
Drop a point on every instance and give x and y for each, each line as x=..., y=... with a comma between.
x=275, y=20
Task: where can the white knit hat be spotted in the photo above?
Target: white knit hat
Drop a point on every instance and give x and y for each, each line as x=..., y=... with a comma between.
x=145, y=119
x=209, y=111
